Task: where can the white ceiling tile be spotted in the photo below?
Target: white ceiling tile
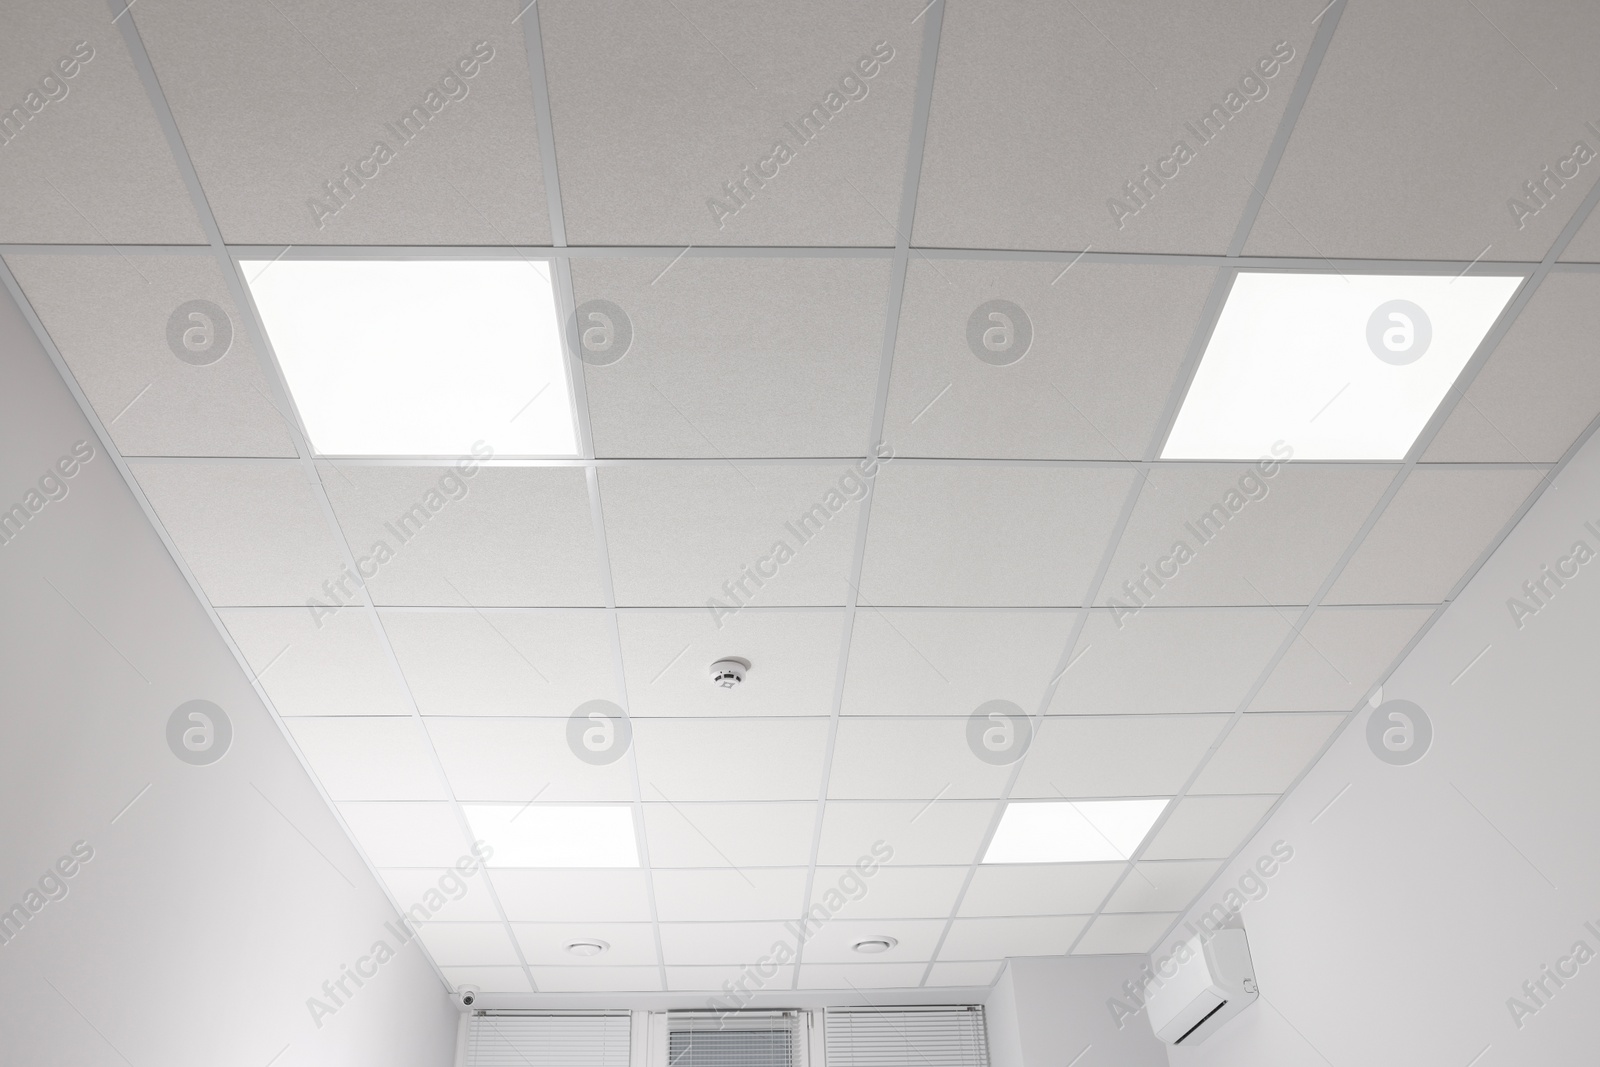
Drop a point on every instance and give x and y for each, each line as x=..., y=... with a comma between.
x=684, y=113
x=573, y=896
x=1207, y=827
x=918, y=832
x=1165, y=886
x=505, y=759
x=1535, y=394
x=733, y=944
x=667, y=656
x=729, y=894
x=691, y=535
x=98, y=143
x=1436, y=527
x=1115, y=756
x=331, y=665
x=1104, y=343
x=1022, y=536
x=987, y=939
x=251, y=534
x=1179, y=660
x=407, y=833
x=730, y=759
x=1585, y=244
x=597, y=979
x=1123, y=934
x=467, y=171
x=910, y=759
x=861, y=975
x=630, y=944
x=1248, y=539
x=465, y=944
x=488, y=979
x=974, y=973
x=1039, y=888
x=990, y=180
x=465, y=899
x=697, y=379
x=707, y=979
x=504, y=662
x=730, y=835
x=112, y=319
x=1339, y=654
x=892, y=892
x=950, y=662
x=1265, y=753
x=368, y=757
x=834, y=941
x=501, y=536
x=1409, y=187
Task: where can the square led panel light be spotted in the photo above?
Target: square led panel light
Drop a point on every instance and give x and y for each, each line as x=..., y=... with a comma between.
x=528, y=835
x=1072, y=831
x=419, y=357
x=1332, y=366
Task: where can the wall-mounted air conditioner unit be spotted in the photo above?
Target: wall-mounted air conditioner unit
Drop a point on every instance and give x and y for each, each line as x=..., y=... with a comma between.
x=1214, y=984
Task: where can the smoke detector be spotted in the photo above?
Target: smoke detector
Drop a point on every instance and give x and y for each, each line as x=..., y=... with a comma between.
x=727, y=673
x=875, y=946
x=589, y=946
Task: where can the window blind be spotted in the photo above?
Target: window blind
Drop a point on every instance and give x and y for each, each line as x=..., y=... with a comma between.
x=907, y=1037
x=746, y=1039
x=573, y=1040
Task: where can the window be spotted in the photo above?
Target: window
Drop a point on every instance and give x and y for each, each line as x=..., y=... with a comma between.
x=908, y=1037
x=745, y=1039
x=549, y=1040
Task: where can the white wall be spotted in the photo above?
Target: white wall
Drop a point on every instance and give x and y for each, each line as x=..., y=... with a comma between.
x=1045, y=1011
x=1423, y=898
x=1001, y=1023
x=225, y=896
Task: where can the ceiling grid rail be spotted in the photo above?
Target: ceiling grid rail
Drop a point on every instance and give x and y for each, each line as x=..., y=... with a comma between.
x=932, y=29
x=564, y=253
x=646, y=462
x=566, y=305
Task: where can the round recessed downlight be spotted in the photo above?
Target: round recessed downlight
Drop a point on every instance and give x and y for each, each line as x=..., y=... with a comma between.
x=589, y=946
x=874, y=946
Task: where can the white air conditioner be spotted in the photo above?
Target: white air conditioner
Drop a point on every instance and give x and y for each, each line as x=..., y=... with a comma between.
x=1213, y=985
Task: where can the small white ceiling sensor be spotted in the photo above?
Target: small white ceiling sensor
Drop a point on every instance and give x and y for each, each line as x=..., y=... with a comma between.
x=727, y=673
x=875, y=946
x=588, y=946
